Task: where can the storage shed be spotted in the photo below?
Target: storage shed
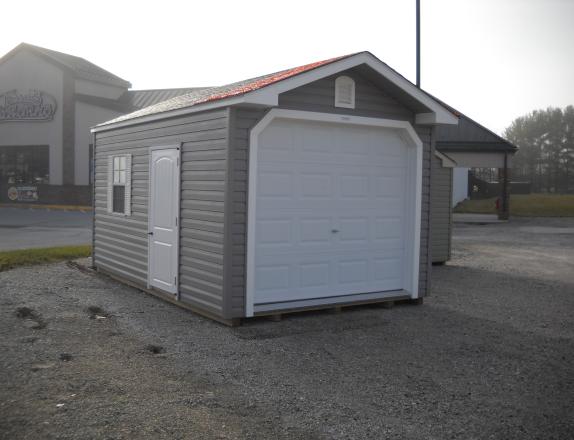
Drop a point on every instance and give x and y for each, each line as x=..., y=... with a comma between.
x=467, y=144
x=305, y=188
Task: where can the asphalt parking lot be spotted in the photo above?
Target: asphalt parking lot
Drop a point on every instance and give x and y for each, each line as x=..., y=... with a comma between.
x=22, y=228
x=489, y=356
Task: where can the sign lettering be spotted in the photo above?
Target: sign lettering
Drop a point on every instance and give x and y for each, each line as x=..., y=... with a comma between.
x=33, y=105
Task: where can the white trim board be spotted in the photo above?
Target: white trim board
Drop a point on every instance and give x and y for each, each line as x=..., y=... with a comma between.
x=414, y=199
x=268, y=96
x=446, y=161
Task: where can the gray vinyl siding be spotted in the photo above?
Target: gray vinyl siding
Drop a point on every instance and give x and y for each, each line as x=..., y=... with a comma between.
x=318, y=96
x=441, y=214
x=121, y=242
x=242, y=121
x=425, y=133
x=370, y=100
x=467, y=130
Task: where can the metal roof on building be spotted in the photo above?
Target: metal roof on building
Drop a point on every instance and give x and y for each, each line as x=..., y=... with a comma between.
x=144, y=98
x=470, y=136
x=81, y=67
x=203, y=95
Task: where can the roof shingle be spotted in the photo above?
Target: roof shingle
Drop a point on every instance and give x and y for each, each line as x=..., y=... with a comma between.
x=203, y=95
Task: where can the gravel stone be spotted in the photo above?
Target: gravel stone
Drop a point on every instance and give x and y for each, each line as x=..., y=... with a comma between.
x=489, y=356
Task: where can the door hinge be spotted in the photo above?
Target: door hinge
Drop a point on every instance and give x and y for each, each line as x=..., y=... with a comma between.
x=175, y=281
x=176, y=221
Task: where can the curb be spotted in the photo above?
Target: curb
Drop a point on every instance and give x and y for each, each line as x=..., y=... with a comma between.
x=50, y=207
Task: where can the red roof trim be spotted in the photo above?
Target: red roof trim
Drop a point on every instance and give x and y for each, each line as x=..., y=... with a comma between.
x=268, y=80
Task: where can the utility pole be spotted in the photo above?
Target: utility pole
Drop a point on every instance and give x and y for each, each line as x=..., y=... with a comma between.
x=418, y=43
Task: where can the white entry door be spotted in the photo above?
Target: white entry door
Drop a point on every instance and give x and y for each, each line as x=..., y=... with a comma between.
x=163, y=219
x=334, y=211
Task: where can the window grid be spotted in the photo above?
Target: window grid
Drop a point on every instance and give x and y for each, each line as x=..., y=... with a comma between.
x=119, y=184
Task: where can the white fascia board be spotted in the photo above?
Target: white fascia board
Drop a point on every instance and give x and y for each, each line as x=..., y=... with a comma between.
x=438, y=115
x=446, y=161
x=426, y=118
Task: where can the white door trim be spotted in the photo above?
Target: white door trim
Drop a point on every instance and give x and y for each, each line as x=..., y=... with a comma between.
x=149, y=215
x=414, y=194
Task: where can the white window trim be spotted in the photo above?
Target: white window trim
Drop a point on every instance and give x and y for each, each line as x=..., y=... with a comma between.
x=414, y=194
x=344, y=80
x=127, y=184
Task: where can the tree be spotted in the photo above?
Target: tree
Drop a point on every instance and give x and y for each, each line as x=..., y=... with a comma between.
x=546, y=149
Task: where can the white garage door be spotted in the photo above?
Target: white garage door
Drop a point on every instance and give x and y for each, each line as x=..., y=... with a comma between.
x=330, y=211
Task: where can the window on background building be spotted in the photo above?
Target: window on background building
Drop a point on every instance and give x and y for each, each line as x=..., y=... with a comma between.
x=119, y=184
x=24, y=165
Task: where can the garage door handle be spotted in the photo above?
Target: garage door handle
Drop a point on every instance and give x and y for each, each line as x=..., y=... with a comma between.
x=334, y=231
x=150, y=233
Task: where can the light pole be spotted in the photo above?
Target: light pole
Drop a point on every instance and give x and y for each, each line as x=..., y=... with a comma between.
x=418, y=43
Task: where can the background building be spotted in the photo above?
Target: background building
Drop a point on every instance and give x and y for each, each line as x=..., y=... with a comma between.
x=48, y=102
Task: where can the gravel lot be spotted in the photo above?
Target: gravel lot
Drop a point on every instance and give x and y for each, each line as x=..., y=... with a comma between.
x=489, y=356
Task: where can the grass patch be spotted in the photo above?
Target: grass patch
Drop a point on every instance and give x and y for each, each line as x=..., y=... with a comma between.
x=524, y=205
x=26, y=257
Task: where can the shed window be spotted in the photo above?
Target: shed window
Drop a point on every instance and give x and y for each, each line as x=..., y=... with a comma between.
x=344, y=92
x=119, y=184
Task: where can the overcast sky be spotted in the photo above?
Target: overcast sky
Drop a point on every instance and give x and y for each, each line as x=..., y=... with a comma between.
x=491, y=59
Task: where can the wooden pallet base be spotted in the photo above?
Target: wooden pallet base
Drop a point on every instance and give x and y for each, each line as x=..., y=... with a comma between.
x=274, y=316
x=386, y=303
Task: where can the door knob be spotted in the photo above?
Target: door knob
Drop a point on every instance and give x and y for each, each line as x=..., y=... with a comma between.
x=334, y=231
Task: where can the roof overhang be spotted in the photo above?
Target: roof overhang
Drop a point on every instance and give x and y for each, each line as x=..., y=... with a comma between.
x=446, y=161
x=481, y=160
x=475, y=147
x=435, y=113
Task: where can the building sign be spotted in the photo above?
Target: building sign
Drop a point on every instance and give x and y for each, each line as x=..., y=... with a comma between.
x=23, y=193
x=33, y=105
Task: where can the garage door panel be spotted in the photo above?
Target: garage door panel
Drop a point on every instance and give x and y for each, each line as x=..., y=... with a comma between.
x=354, y=186
x=274, y=232
x=314, y=138
x=386, y=270
x=389, y=186
x=330, y=211
x=278, y=137
x=273, y=277
x=352, y=271
x=313, y=231
x=315, y=275
x=313, y=185
x=388, y=227
x=275, y=184
x=353, y=230
x=354, y=142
